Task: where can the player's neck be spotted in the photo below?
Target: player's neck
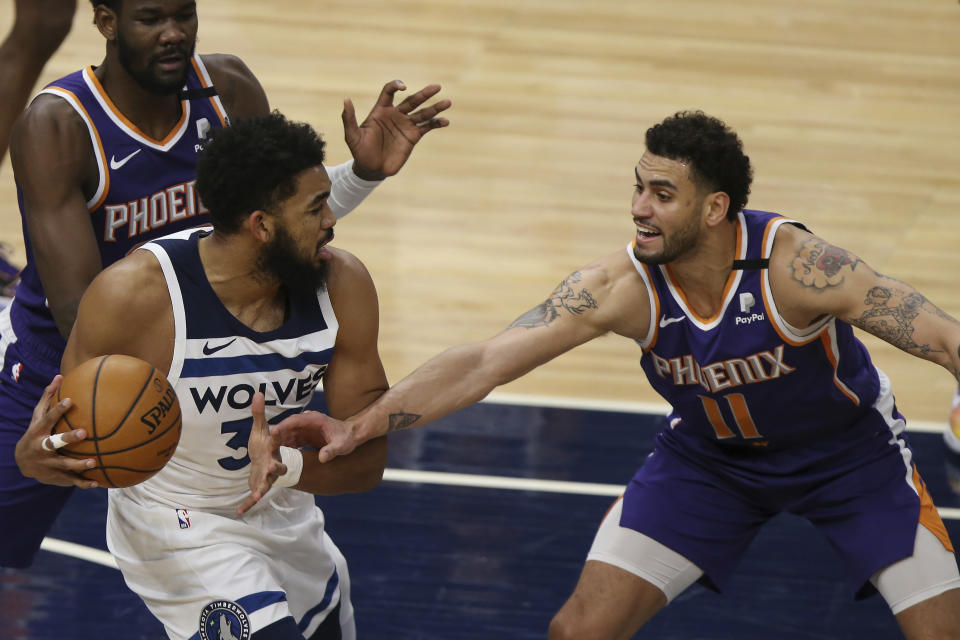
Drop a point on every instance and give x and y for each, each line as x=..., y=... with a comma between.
x=257, y=301
x=702, y=273
x=153, y=115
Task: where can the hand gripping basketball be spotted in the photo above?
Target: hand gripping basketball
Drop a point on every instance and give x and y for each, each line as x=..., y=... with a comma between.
x=36, y=451
x=129, y=413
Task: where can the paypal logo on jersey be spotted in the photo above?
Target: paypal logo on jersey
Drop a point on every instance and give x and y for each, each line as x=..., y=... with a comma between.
x=240, y=396
x=747, y=301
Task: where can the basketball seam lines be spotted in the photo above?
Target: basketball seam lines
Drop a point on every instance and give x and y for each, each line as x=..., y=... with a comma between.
x=93, y=419
x=132, y=404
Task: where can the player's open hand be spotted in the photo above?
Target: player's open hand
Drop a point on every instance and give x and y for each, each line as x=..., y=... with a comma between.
x=382, y=144
x=264, y=452
x=36, y=451
x=331, y=437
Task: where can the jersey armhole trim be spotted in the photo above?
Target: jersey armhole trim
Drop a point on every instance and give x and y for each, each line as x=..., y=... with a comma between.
x=650, y=340
x=103, y=186
x=787, y=332
x=179, y=317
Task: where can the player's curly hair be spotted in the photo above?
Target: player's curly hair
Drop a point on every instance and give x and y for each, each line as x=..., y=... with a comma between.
x=253, y=164
x=711, y=148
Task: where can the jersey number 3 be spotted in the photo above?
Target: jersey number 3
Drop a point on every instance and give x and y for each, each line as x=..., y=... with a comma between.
x=241, y=430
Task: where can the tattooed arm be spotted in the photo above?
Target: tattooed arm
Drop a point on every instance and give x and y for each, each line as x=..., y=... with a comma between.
x=601, y=298
x=811, y=278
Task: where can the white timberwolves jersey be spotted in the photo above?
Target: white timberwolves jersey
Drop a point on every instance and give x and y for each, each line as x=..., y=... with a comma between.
x=203, y=571
x=218, y=363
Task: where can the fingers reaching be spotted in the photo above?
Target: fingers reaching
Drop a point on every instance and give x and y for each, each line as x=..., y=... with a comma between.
x=411, y=102
x=386, y=94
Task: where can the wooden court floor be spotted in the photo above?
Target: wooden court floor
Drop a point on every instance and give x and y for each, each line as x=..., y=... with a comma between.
x=849, y=111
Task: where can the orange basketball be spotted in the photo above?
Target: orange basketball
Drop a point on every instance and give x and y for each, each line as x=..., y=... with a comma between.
x=131, y=415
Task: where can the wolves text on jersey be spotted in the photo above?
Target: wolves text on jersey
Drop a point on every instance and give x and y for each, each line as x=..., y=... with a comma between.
x=174, y=203
x=240, y=396
x=724, y=374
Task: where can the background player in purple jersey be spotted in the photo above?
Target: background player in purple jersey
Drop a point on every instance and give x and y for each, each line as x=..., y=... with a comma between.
x=39, y=28
x=745, y=320
x=104, y=160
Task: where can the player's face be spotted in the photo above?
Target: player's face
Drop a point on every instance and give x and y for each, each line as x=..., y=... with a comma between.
x=298, y=254
x=666, y=209
x=155, y=39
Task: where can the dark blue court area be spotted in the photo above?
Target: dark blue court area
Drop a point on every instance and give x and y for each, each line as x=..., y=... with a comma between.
x=441, y=562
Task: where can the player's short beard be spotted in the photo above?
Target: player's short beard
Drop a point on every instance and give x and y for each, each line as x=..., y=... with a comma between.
x=145, y=78
x=280, y=259
x=678, y=243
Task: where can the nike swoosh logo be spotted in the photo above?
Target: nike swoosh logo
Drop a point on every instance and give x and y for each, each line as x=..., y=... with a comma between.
x=116, y=164
x=664, y=320
x=209, y=351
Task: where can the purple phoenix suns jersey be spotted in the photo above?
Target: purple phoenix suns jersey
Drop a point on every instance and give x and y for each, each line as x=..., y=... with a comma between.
x=146, y=190
x=744, y=381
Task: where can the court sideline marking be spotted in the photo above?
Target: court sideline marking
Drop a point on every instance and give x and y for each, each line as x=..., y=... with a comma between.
x=98, y=556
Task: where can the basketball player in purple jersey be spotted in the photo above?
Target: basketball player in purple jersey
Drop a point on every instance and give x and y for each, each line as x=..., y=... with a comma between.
x=745, y=321
x=105, y=160
x=39, y=27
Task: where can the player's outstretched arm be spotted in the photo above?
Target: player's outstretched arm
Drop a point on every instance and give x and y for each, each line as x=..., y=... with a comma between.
x=811, y=278
x=582, y=307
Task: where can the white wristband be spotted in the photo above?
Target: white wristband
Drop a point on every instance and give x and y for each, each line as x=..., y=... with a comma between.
x=347, y=190
x=293, y=458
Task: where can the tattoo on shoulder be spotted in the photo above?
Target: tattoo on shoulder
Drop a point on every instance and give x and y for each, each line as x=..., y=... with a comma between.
x=402, y=420
x=563, y=297
x=820, y=265
x=890, y=315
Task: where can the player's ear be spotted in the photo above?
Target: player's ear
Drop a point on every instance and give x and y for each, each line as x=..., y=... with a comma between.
x=260, y=224
x=715, y=207
x=106, y=20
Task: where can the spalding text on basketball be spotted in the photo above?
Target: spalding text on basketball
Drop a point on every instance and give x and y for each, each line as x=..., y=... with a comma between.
x=155, y=415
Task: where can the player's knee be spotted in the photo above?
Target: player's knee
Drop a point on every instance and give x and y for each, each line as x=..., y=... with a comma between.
x=567, y=625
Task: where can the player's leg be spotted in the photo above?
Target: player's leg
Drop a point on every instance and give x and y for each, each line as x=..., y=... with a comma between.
x=27, y=507
x=38, y=29
x=923, y=591
x=627, y=579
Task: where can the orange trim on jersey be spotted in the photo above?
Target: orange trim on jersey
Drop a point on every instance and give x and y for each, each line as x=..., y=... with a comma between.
x=726, y=288
x=656, y=310
x=103, y=154
x=929, y=517
x=173, y=132
x=766, y=236
x=213, y=100
x=828, y=348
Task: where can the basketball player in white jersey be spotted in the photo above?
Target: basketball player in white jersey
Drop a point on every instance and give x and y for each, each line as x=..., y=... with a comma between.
x=244, y=319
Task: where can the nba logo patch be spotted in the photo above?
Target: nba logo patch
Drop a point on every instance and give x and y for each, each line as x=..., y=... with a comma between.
x=224, y=620
x=184, y=517
x=15, y=371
